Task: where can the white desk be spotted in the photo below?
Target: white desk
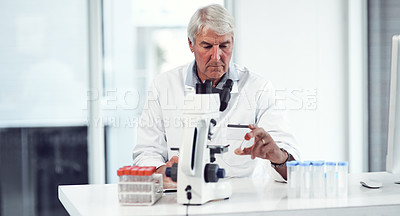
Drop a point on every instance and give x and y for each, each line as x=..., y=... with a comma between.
x=250, y=197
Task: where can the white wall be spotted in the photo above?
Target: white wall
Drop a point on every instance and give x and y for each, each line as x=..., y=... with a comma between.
x=302, y=47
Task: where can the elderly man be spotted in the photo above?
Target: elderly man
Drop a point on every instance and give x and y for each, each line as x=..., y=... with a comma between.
x=211, y=40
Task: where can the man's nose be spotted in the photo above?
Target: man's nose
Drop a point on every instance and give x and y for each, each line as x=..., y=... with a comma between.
x=216, y=53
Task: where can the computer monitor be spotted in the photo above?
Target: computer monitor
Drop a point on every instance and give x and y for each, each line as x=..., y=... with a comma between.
x=393, y=148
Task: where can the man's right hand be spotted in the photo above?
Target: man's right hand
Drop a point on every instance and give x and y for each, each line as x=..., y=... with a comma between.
x=167, y=181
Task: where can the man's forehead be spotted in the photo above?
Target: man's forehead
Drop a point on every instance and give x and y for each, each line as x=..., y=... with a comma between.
x=215, y=41
x=209, y=36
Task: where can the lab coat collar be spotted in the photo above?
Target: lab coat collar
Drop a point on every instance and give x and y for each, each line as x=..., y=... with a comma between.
x=192, y=79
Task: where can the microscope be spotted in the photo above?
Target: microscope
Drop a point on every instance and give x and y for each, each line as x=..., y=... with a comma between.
x=199, y=179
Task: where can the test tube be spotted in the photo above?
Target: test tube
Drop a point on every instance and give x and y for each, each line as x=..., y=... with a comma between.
x=120, y=173
x=159, y=182
x=132, y=197
x=125, y=182
x=125, y=177
x=305, y=187
x=342, y=173
x=292, y=178
x=318, y=179
x=331, y=183
x=134, y=174
x=153, y=179
x=148, y=178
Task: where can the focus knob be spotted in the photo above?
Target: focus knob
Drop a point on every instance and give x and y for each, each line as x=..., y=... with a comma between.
x=212, y=173
x=172, y=172
x=221, y=173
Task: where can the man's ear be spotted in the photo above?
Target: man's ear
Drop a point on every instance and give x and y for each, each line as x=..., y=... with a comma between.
x=190, y=45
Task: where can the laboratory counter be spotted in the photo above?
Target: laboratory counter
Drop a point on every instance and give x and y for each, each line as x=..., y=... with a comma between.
x=249, y=197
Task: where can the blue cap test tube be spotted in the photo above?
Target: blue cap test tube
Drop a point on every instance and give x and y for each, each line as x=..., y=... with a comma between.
x=318, y=179
x=342, y=176
x=331, y=183
x=305, y=182
x=293, y=179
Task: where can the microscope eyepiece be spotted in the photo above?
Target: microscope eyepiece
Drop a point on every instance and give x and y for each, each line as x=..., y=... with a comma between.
x=204, y=88
x=225, y=94
x=228, y=84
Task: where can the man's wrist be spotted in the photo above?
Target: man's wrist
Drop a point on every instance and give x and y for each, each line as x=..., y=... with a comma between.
x=276, y=165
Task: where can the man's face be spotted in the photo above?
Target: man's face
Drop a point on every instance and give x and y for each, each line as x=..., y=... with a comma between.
x=212, y=53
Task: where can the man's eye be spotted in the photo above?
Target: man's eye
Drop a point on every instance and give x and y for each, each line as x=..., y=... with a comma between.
x=208, y=47
x=223, y=46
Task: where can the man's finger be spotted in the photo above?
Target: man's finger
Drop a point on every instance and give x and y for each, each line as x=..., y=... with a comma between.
x=256, y=152
x=252, y=126
x=245, y=151
x=260, y=133
x=174, y=159
x=255, y=132
x=239, y=151
x=266, y=149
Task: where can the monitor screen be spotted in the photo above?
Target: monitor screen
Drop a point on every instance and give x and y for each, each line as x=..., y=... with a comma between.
x=393, y=150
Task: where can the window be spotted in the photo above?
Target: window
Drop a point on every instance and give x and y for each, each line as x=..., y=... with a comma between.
x=43, y=82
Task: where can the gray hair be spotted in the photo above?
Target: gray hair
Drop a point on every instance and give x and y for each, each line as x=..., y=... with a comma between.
x=215, y=17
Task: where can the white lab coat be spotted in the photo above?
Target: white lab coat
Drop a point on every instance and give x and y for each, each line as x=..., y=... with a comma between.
x=252, y=102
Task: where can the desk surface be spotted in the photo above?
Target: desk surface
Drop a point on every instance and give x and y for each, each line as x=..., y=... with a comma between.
x=250, y=197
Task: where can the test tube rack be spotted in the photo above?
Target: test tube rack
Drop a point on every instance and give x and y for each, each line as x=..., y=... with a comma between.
x=139, y=185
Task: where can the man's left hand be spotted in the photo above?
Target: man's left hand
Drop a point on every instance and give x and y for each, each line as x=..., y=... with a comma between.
x=264, y=146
